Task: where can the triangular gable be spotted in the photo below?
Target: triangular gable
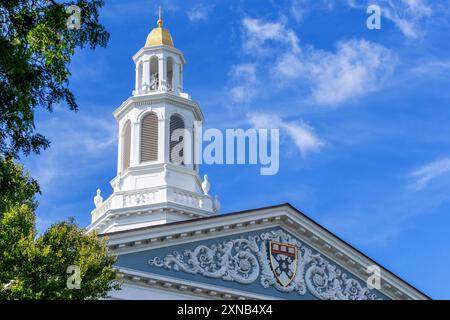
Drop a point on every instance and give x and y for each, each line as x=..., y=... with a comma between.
x=199, y=251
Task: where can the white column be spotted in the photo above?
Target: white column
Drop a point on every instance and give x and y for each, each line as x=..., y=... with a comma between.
x=164, y=139
x=162, y=73
x=181, y=78
x=197, y=136
x=176, y=77
x=191, y=141
x=135, y=146
x=136, y=87
x=119, y=151
x=146, y=73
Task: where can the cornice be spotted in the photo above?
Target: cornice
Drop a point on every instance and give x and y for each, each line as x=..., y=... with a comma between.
x=158, y=97
x=159, y=48
x=169, y=208
x=186, y=287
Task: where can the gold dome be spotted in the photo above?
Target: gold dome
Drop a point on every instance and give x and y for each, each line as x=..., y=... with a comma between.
x=159, y=36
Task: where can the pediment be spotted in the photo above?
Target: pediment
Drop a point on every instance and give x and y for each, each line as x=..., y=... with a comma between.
x=234, y=252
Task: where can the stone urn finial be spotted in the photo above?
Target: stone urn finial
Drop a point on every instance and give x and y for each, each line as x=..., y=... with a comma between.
x=206, y=185
x=98, y=199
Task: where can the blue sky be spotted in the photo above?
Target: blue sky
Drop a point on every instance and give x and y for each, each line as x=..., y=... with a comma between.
x=365, y=147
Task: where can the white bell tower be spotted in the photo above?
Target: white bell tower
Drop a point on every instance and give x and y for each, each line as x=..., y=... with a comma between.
x=157, y=179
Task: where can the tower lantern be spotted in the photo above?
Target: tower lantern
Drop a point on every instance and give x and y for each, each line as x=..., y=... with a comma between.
x=159, y=65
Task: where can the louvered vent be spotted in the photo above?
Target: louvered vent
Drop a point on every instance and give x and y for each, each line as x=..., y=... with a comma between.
x=149, y=138
x=126, y=146
x=176, y=122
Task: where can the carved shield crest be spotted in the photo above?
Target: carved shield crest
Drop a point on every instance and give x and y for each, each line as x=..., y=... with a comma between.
x=283, y=260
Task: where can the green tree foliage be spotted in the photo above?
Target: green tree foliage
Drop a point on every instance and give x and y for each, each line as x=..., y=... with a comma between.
x=34, y=267
x=36, y=48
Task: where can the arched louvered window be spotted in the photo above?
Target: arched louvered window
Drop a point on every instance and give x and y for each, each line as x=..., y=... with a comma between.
x=149, y=137
x=176, y=139
x=126, y=145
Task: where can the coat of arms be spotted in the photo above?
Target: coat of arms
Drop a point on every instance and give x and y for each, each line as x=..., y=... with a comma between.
x=283, y=259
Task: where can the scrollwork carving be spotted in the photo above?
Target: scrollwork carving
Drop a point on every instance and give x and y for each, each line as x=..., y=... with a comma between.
x=244, y=260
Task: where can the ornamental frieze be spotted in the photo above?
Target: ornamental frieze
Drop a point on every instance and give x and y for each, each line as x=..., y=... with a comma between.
x=275, y=259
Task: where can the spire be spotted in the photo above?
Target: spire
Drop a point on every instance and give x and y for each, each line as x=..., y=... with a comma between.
x=160, y=22
x=159, y=35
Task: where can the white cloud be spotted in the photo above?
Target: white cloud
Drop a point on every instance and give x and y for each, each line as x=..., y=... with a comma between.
x=407, y=15
x=257, y=33
x=302, y=134
x=243, y=77
x=431, y=68
x=244, y=71
x=78, y=141
x=431, y=171
x=299, y=8
x=356, y=68
x=304, y=137
x=199, y=12
x=290, y=66
x=259, y=38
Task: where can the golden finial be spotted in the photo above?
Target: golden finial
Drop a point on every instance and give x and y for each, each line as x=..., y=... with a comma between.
x=160, y=22
x=159, y=36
